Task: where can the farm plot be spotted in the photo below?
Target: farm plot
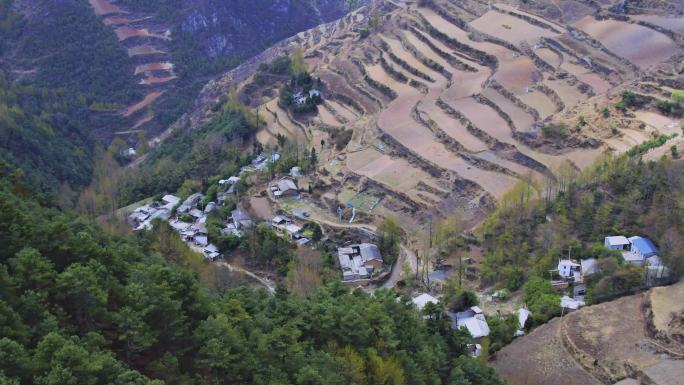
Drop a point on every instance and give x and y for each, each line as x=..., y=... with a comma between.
x=363, y=201
x=662, y=123
x=540, y=358
x=570, y=95
x=398, y=49
x=674, y=24
x=327, y=117
x=462, y=36
x=538, y=101
x=104, y=7
x=396, y=121
x=166, y=66
x=607, y=336
x=395, y=173
x=377, y=73
x=549, y=56
x=523, y=121
x=509, y=28
x=453, y=127
x=640, y=45
x=485, y=118
x=516, y=72
x=147, y=100
x=343, y=110
x=139, y=50
x=124, y=33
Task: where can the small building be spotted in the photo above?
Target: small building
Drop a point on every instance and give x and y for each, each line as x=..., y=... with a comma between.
x=359, y=261
x=570, y=270
x=201, y=240
x=211, y=252
x=616, y=242
x=473, y=320
x=170, y=201
x=196, y=213
x=642, y=247
x=284, y=187
x=423, y=299
x=241, y=219
x=190, y=202
x=211, y=206
x=280, y=220
x=523, y=316
x=295, y=172
x=571, y=303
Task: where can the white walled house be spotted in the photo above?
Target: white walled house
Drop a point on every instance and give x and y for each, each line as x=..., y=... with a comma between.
x=617, y=242
x=570, y=270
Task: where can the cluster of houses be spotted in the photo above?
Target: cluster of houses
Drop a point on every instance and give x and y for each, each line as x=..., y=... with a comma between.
x=261, y=162
x=283, y=188
x=142, y=217
x=360, y=261
x=473, y=320
x=300, y=97
x=635, y=250
x=285, y=226
x=190, y=219
x=639, y=251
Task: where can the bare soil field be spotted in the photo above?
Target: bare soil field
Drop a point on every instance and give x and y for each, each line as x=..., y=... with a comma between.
x=599, y=344
x=124, y=33
x=150, y=80
x=165, y=66
x=640, y=45
x=143, y=50
x=666, y=301
x=674, y=24
x=261, y=207
x=540, y=358
x=104, y=7
x=509, y=28
x=147, y=100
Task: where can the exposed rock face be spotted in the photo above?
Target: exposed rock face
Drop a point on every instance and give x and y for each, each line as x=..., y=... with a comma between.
x=230, y=28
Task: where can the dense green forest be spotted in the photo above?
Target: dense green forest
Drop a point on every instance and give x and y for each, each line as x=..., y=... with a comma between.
x=618, y=196
x=54, y=72
x=215, y=148
x=79, y=306
x=42, y=131
x=72, y=49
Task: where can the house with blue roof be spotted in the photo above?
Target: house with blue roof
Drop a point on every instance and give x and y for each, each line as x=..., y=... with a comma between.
x=642, y=247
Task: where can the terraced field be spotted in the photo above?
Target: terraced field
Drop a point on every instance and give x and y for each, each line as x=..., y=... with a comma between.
x=146, y=43
x=464, y=97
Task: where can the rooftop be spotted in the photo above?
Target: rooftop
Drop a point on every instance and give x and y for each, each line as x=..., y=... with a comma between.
x=644, y=245
x=617, y=240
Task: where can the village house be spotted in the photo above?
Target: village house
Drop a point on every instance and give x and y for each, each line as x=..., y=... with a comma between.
x=570, y=270
x=241, y=219
x=190, y=202
x=571, y=303
x=473, y=320
x=280, y=220
x=523, y=316
x=211, y=252
x=617, y=242
x=284, y=187
x=422, y=300
x=359, y=261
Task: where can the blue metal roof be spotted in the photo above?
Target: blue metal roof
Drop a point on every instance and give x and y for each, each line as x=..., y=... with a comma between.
x=644, y=245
